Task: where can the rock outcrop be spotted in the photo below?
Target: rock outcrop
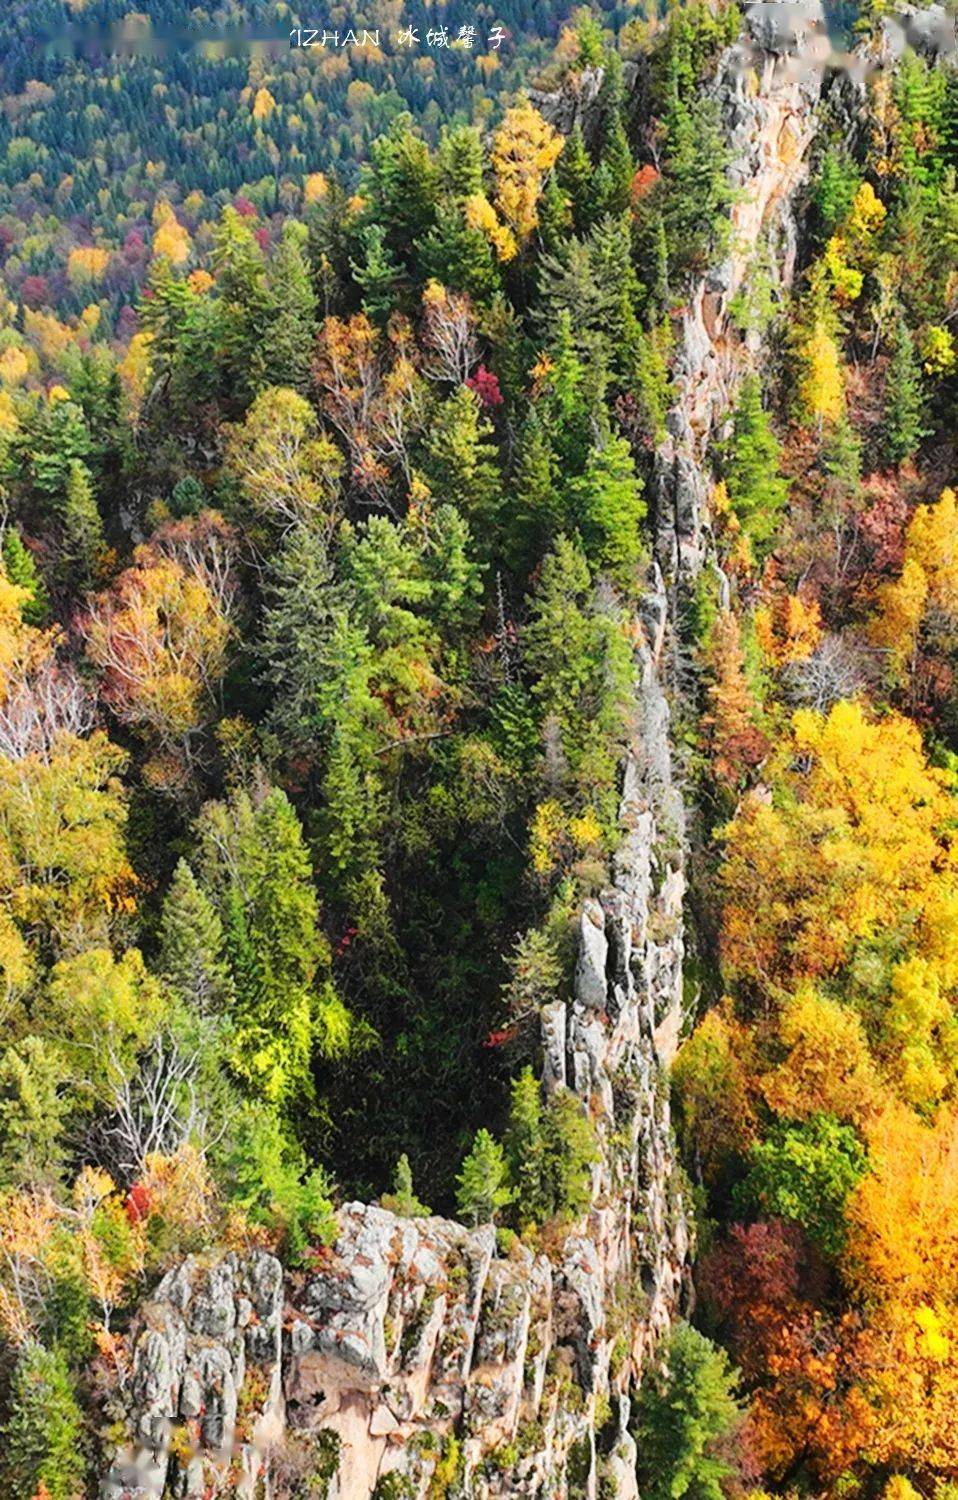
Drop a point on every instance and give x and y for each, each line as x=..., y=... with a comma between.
x=766, y=88
x=414, y=1343
x=418, y=1357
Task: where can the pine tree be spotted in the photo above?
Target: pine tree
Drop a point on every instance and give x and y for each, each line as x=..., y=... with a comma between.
x=756, y=490
x=402, y=1200
x=606, y=502
x=482, y=1184
x=574, y=172
x=683, y=1413
x=192, y=956
x=378, y=274
x=613, y=181
x=32, y=1111
x=83, y=541
x=40, y=1440
x=285, y=356
x=20, y=568
x=460, y=461
x=536, y=513
x=903, y=429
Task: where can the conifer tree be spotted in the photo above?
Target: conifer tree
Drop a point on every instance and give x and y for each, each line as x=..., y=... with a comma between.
x=457, y=256
x=524, y=1149
x=756, y=490
x=684, y=1410
x=40, y=1440
x=574, y=172
x=460, y=461
x=192, y=955
x=377, y=273
x=32, y=1111
x=606, y=502
x=536, y=513
x=83, y=542
x=20, y=569
x=285, y=355
x=481, y=1186
x=903, y=429
x=301, y=601
x=402, y=1200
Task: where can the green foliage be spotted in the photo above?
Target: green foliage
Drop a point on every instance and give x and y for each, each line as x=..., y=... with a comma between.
x=192, y=956
x=682, y=1415
x=402, y=1200
x=42, y=1433
x=550, y=1148
x=255, y=869
x=606, y=501
x=267, y=1175
x=32, y=1110
x=904, y=403
x=459, y=461
x=805, y=1172
x=20, y=568
x=756, y=490
x=83, y=542
x=482, y=1185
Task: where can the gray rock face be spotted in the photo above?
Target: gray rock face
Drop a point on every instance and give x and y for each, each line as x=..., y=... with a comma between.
x=766, y=88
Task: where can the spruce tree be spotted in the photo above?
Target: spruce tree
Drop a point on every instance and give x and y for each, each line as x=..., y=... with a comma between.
x=756, y=490
x=192, y=955
x=40, y=1440
x=574, y=171
x=536, y=512
x=377, y=273
x=606, y=502
x=294, y=651
x=20, y=568
x=83, y=540
x=482, y=1184
x=903, y=429
x=402, y=1200
x=683, y=1413
x=286, y=354
x=460, y=461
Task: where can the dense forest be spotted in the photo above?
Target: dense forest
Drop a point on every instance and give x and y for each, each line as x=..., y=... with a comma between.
x=331, y=391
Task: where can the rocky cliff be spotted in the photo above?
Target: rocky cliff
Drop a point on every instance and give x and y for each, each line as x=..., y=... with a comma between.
x=767, y=88
x=419, y=1358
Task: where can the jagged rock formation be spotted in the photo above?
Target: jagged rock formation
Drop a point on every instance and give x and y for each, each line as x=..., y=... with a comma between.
x=412, y=1330
x=767, y=88
x=423, y=1358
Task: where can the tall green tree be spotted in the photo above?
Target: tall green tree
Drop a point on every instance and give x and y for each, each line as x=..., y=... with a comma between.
x=683, y=1413
x=904, y=403
x=756, y=490
x=41, y=1437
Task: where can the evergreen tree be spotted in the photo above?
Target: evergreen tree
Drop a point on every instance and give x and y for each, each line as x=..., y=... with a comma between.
x=536, y=512
x=285, y=356
x=682, y=1415
x=20, y=568
x=32, y=1111
x=83, y=540
x=401, y=184
x=574, y=171
x=301, y=601
x=378, y=274
x=402, y=1200
x=192, y=956
x=903, y=429
x=40, y=1442
x=460, y=461
x=481, y=1186
x=612, y=188
x=255, y=868
x=606, y=502
x=524, y=1149
x=461, y=161
x=756, y=490
x=457, y=256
